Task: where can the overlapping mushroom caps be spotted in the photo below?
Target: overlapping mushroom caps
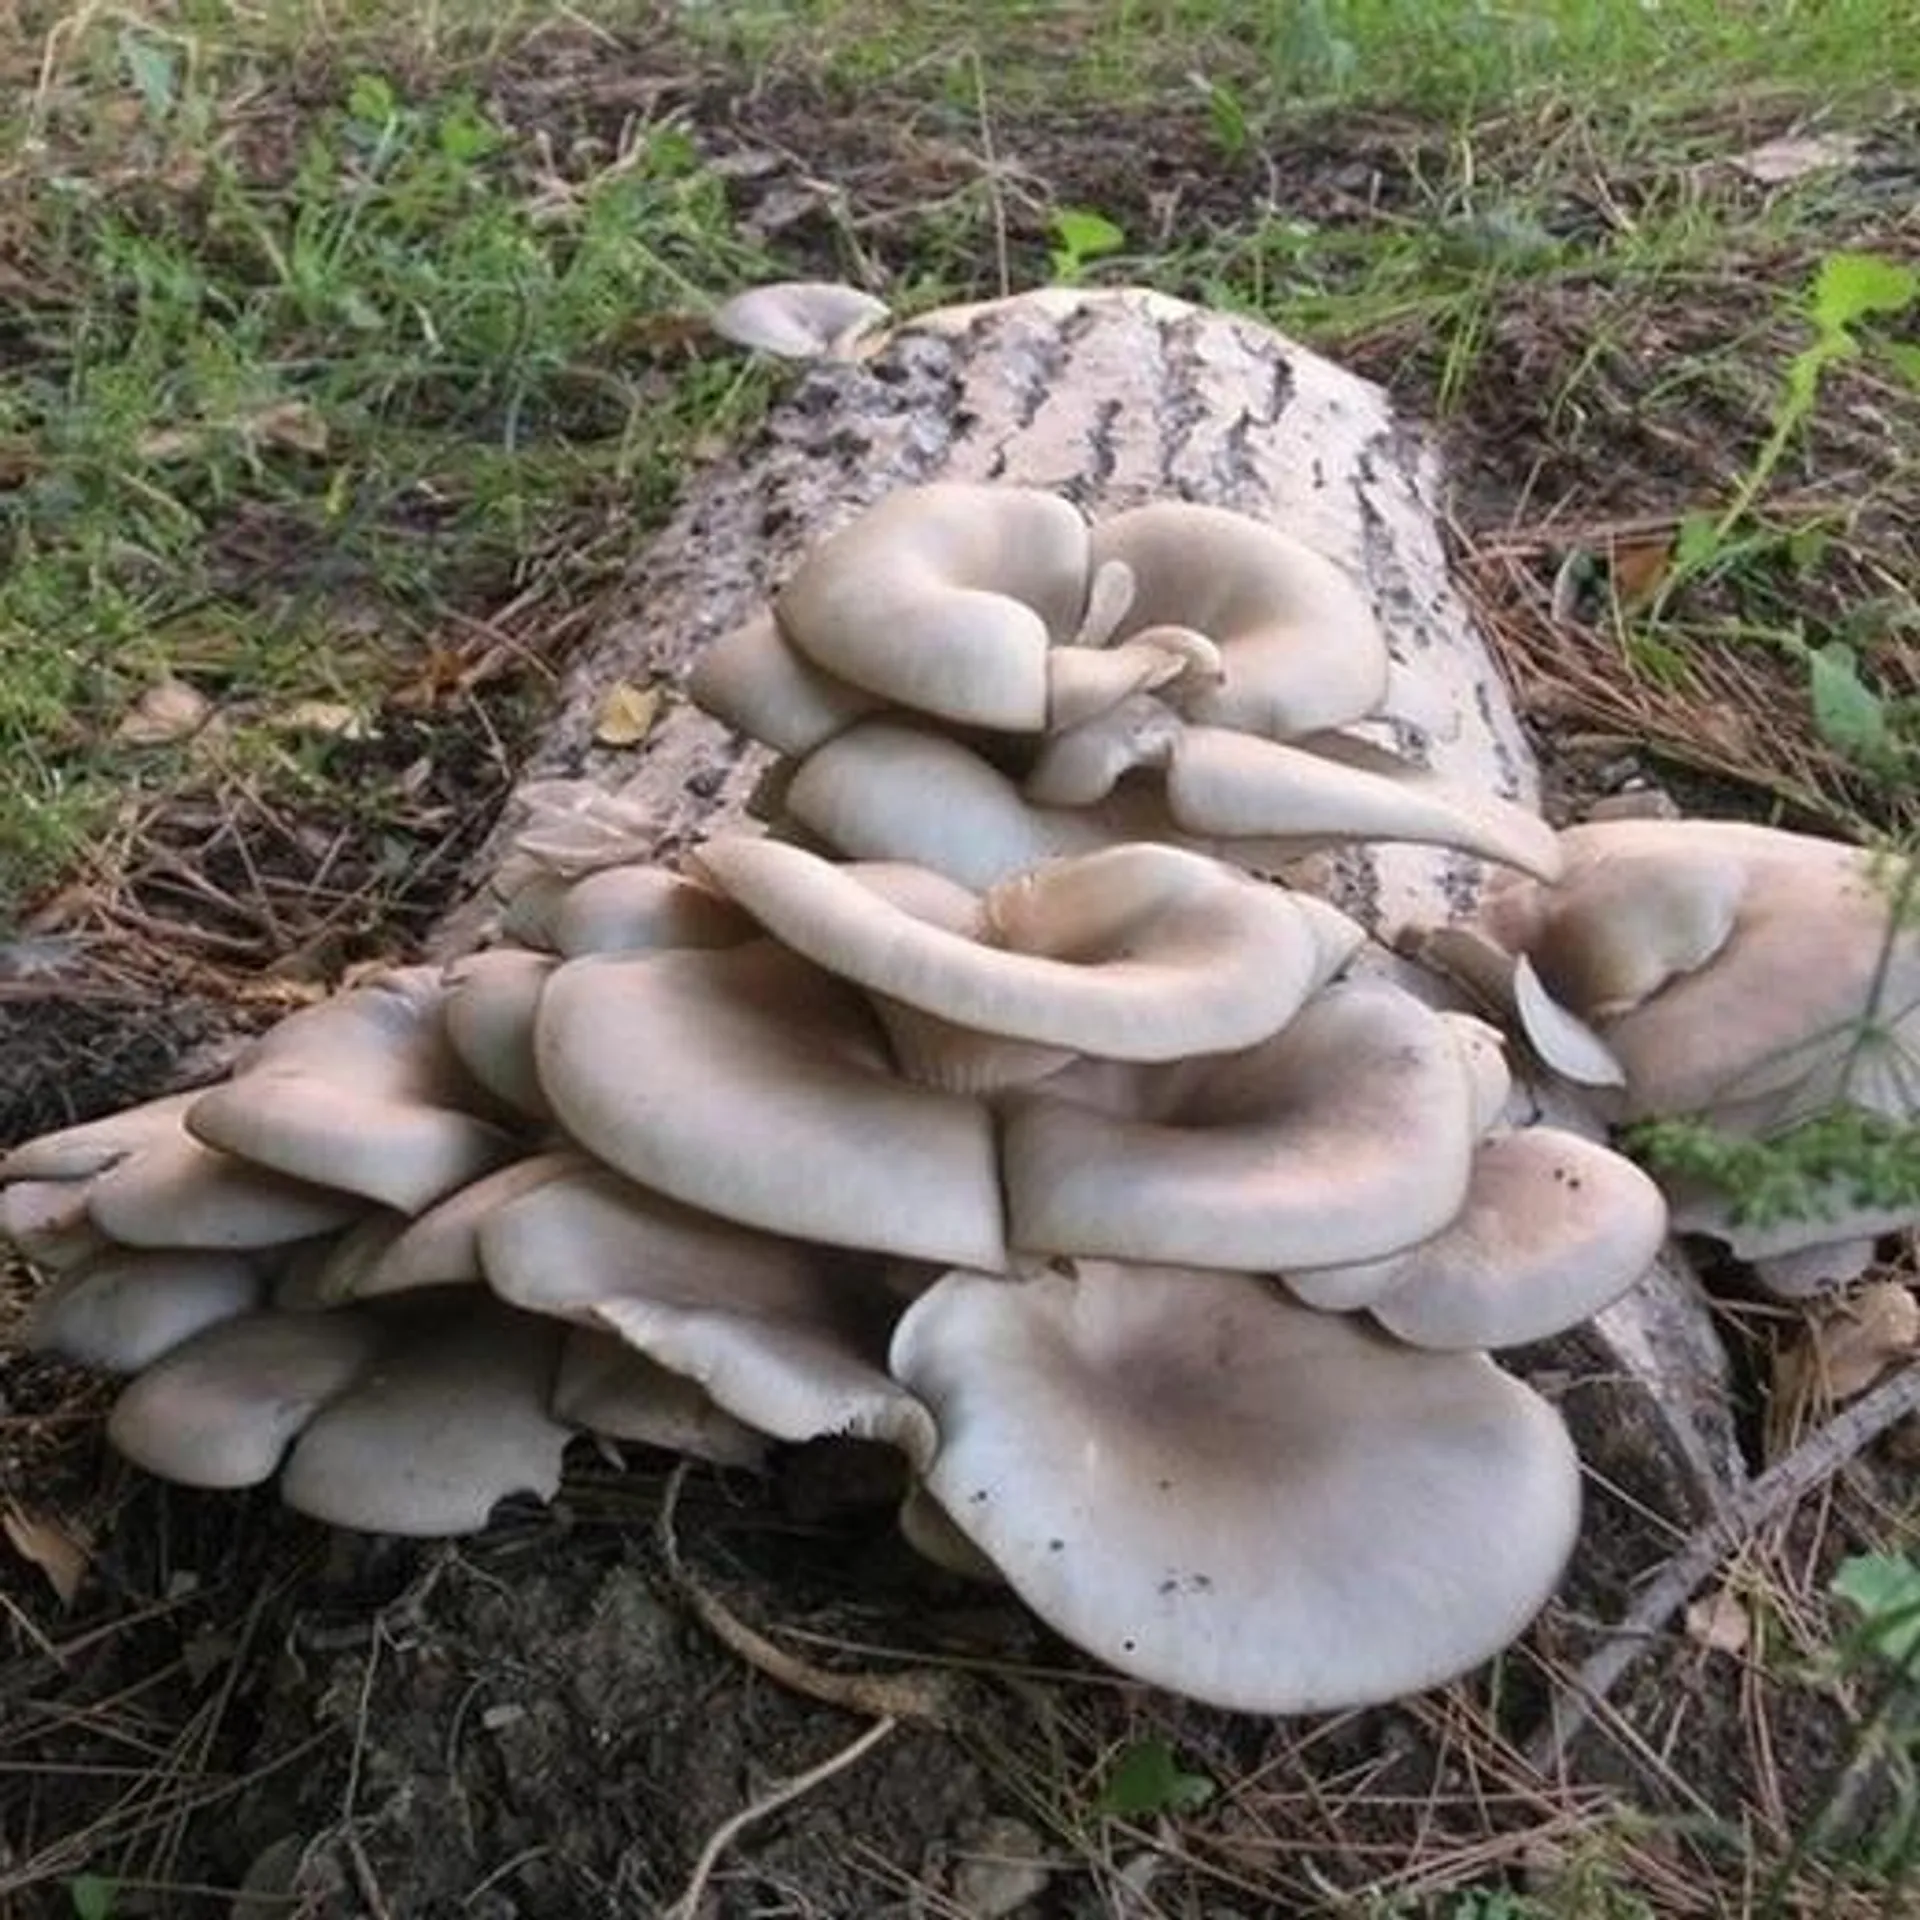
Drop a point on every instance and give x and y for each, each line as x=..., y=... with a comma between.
x=1737, y=975
x=777, y=1148
x=975, y=679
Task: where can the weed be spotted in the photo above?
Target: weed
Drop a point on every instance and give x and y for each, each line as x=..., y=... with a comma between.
x=274, y=425
x=1079, y=237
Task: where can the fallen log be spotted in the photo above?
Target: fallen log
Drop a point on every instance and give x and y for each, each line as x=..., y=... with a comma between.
x=1113, y=399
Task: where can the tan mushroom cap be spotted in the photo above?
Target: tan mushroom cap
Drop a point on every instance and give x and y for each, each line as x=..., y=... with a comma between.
x=221, y=1410
x=890, y=790
x=1346, y=1136
x=1209, y=1488
x=123, y=1310
x=49, y=1222
x=799, y=319
x=362, y=1093
x=1727, y=967
x=492, y=999
x=1328, y=787
x=762, y=687
x=1555, y=1227
x=945, y=600
x=604, y=1387
x=453, y=1419
x=1134, y=953
x=1299, y=646
x=768, y=1097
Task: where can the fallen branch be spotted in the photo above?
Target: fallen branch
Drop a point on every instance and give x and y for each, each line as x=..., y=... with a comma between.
x=1777, y=1491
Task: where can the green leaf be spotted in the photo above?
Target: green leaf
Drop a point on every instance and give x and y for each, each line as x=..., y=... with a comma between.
x=1849, y=714
x=1903, y=356
x=92, y=1895
x=1148, y=1779
x=1884, y=1588
x=373, y=102
x=1850, y=286
x=154, y=71
x=1084, y=235
x=1696, y=542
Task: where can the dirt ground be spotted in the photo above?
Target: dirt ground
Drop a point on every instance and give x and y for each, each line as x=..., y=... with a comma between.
x=535, y=1723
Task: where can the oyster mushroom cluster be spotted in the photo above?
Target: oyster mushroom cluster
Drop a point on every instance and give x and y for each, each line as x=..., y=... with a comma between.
x=976, y=679
x=1741, y=976
x=1162, y=1223
x=1163, y=1243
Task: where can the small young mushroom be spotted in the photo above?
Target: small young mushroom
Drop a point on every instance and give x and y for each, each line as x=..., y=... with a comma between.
x=799, y=319
x=1259, y=1506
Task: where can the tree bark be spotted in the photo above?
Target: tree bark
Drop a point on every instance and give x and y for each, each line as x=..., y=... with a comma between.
x=1115, y=399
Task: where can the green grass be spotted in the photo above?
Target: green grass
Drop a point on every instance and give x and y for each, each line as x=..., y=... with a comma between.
x=271, y=422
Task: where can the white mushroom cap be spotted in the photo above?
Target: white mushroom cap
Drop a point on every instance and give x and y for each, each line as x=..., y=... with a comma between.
x=760, y=686
x=1299, y=645
x=767, y=1097
x=945, y=600
x=1555, y=1227
x=123, y=1310
x=362, y=1093
x=888, y=790
x=221, y=1410
x=1135, y=953
x=799, y=319
x=453, y=1419
x=1257, y=1505
x=1727, y=967
x=1329, y=787
x=48, y=1221
x=605, y=1387
x=492, y=999
x=1346, y=1136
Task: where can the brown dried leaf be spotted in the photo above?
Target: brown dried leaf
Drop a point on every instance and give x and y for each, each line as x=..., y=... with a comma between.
x=289, y=423
x=1640, y=569
x=1719, y=1621
x=164, y=713
x=1796, y=156
x=1869, y=1333
x=61, y=1553
x=626, y=715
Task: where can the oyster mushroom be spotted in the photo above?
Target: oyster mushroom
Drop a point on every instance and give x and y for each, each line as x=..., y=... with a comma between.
x=1257, y=1505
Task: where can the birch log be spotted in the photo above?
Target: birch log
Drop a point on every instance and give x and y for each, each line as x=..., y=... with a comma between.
x=1114, y=399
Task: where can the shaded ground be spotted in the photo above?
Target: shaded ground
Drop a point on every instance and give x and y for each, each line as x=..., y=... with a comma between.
x=532, y=1723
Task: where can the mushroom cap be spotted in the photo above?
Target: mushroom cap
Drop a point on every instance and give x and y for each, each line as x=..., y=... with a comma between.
x=1134, y=953
x=889, y=790
x=799, y=319
x=93, y=1146
x=1257, y=1505
x=1299, y=645
x=222, y=1409
x=762, y=687
x=1727, y=967
x=604, y=1387
x=767, y=1097
x=123, y=1310
x=491, y=1001
x=362, y=1093
x=48, y=1221
x=452, y=1419
x=1346, y=1136
x=945, y=600
x=1555, y=1227
x=1328, y=786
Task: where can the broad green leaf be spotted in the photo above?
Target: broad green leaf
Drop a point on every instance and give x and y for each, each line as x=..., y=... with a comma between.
x=1148, y=1779
x=92, y=1895
x=1850, y=286
x=1085, y=235
x=1849, y=714
x=1884, y=1588
x=154, y=71
x=373, y=101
